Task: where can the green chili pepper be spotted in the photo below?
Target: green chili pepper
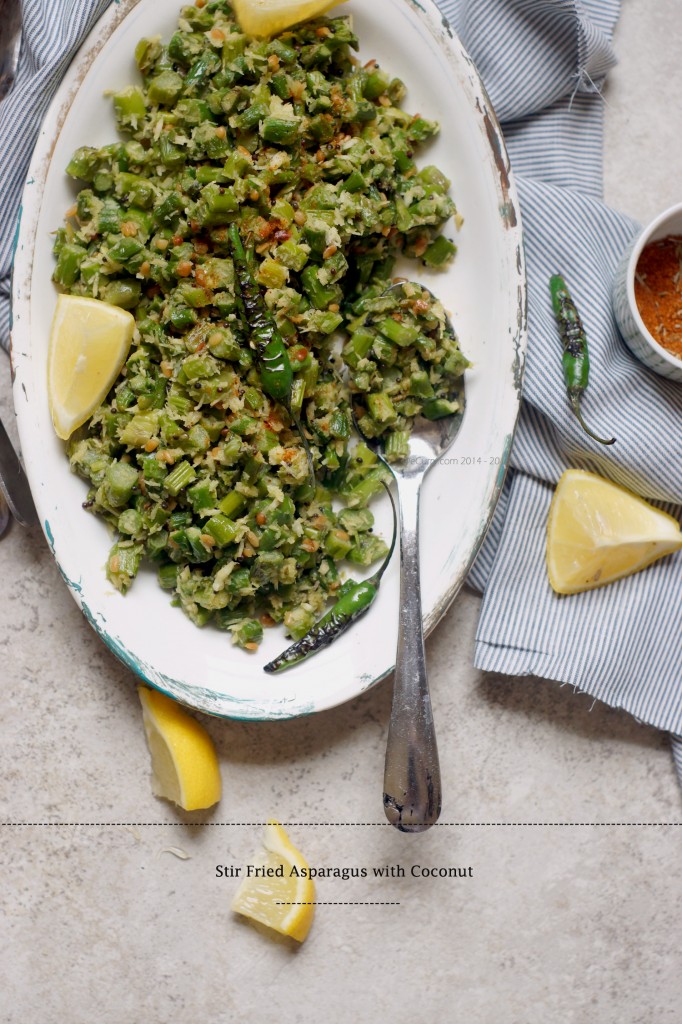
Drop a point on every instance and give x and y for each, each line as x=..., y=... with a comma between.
x=275, y=368
x=575, y=359
x=349, y=607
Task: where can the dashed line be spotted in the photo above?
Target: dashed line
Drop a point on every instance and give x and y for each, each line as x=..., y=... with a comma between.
x=339, y=824
x=342, y=903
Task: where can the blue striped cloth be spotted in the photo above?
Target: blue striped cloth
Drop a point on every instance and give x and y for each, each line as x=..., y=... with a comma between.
x=52, y=32
x=543, y=63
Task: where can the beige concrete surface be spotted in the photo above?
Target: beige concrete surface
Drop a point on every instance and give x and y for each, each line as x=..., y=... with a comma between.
x=575, y=924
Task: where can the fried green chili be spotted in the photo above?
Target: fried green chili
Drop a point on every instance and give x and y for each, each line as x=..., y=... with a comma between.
x=275, y=369
x=355, y=599
x=276, y=374
x=575, y=358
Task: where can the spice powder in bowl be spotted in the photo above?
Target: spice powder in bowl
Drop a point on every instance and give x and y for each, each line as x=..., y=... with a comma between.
x=647, y=294
x=658, y=291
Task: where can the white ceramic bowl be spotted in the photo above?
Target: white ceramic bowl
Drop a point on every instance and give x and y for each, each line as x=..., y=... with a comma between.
x=484, y=289
x=639, y=340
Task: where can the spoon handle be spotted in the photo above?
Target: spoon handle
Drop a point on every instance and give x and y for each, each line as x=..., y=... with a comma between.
x=412, y=789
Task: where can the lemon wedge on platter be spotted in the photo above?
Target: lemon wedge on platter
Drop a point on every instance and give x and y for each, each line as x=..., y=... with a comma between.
x=268, y=17
x=89, y=342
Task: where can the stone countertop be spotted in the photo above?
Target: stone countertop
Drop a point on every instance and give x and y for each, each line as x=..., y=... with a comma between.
x=102, y=919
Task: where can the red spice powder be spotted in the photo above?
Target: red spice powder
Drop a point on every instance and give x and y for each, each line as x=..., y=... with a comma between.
x=658, y=291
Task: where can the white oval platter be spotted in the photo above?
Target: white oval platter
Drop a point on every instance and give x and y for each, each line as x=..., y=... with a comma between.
x=484, y=291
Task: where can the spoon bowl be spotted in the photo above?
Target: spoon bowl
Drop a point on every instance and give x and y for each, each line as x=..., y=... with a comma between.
x=412, y=783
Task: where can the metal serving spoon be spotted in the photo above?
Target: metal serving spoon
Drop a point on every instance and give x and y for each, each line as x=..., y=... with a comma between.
x=412, y=786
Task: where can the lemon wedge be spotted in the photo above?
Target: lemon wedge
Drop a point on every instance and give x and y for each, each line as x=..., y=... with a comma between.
x=276, y=889
x=598, y=532
x=268, y=17
x=89, y=342
x=185, y=766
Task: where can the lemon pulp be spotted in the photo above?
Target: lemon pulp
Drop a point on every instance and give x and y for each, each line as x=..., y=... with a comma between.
x=598, y=532
x=185, y=766
x=268, y=17
x=276, y=889
x=89, y=342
